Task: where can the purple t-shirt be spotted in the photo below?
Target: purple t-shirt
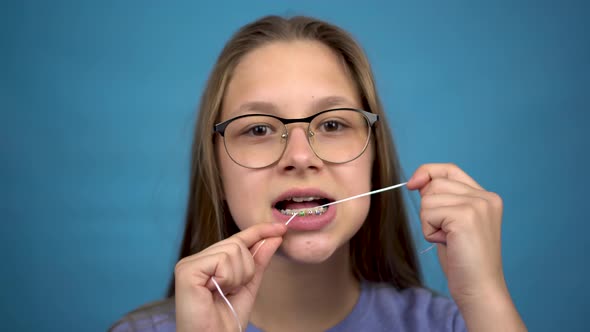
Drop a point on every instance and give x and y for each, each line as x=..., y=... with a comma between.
x=380, y=308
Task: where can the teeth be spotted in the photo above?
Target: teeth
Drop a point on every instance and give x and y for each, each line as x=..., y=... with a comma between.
x=304, y=199
x=305, y=211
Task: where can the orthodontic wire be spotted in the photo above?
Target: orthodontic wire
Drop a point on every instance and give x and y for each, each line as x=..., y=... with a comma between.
x=235, y=314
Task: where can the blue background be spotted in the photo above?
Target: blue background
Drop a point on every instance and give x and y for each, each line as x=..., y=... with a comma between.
x=97, y=105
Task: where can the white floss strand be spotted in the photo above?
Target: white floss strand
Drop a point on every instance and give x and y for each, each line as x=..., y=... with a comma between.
x=365, y=194
x=428, y=249
x=231, y=307
x=261, y=243
x=255, y=251
x=288, y=221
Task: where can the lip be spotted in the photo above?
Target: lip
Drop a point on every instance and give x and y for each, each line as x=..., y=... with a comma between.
x=307, y=223
x=302, y=192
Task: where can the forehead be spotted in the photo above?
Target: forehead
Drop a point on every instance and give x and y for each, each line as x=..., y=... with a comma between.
x=290, y=79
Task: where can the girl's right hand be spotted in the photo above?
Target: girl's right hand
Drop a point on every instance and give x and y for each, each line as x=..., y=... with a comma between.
x=199, y=307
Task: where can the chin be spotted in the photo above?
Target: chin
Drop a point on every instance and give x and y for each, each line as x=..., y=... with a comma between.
x=307, y=250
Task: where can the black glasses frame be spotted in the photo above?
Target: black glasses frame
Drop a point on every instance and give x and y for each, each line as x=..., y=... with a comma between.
x=371, y=117
x=220, y=129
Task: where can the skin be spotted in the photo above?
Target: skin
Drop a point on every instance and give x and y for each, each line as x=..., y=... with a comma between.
x=296, y=79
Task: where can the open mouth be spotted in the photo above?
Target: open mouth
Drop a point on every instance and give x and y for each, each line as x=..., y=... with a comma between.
x=302, y=206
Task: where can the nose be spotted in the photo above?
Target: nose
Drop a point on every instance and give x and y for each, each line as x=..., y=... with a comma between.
x=298, y=154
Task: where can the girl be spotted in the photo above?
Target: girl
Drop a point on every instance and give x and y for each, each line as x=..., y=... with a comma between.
x=290, y=120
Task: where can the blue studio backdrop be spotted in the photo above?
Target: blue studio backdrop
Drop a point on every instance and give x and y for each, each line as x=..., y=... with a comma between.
x=98, y=100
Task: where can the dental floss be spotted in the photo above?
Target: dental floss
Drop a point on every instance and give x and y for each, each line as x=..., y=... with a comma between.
x=428, y=249
x=365, y=194
x=287, y=223
x=261, y=243
x=255, y=251
x=231, y=307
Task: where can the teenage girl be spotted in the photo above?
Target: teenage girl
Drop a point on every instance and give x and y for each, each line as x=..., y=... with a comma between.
x=290, y=120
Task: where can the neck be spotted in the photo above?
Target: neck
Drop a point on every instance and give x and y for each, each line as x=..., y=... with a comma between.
x=323, y=294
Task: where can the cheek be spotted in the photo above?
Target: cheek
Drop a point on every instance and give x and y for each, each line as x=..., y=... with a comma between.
x=364, y=180
x=366, y=167
x=229, y=182
x=237, y=197
x=230, y=174
x=358, y=181
x=243, y=192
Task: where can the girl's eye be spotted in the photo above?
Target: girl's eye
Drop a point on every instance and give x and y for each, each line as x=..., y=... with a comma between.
x=259, y=130
x=331, y=125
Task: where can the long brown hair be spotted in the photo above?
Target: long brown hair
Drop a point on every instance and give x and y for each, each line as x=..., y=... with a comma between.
x=382, y=250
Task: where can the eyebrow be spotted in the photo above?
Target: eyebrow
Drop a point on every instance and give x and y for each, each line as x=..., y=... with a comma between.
x=333, y=102
x=321, y=104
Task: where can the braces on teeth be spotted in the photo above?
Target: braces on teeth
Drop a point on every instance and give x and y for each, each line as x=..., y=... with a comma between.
x=318, y=210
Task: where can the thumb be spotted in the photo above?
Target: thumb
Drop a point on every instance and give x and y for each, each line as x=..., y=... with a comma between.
x=264, y=250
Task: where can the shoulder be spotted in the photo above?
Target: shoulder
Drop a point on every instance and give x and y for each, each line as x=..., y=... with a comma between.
x=157, y=316
x=410, y=309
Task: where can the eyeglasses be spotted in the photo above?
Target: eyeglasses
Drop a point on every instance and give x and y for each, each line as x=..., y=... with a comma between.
x=259, y=140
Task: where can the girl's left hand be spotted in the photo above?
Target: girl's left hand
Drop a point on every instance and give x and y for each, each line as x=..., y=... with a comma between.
x=465, y=220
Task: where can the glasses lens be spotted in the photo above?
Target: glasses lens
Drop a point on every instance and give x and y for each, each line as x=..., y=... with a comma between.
x=339, y=136
x=254, y=141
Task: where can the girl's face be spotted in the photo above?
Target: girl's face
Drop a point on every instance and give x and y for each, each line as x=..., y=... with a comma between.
x=295, y=80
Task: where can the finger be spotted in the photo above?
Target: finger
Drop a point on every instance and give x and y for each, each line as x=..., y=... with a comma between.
x=200, y=271
x=242, y=266
x=266, y=251
x=441, y=219
x=431, y=225
x=233, y=250
x=235, y=253
x=440, y=200
x=258, y=232
x=425, y=173
x=480, y=200
x=447, y=186
x=232, y=246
